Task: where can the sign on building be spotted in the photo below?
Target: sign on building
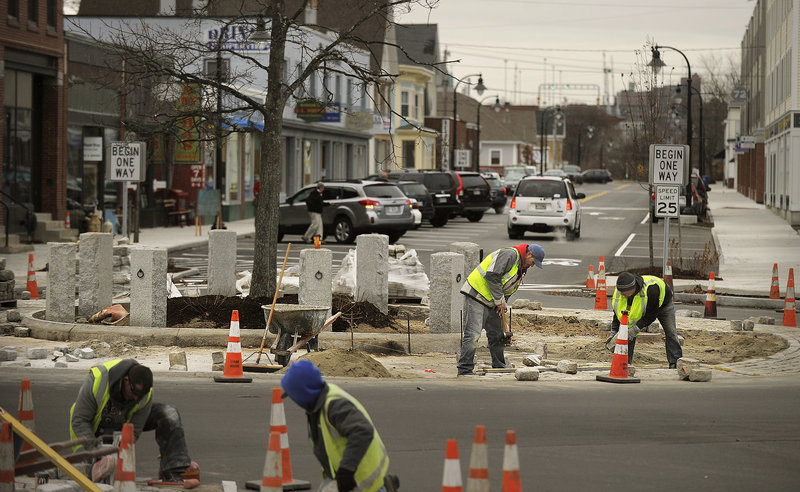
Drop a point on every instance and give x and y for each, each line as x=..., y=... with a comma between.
x=669, y=164
x=92, y=149
x=126, y=161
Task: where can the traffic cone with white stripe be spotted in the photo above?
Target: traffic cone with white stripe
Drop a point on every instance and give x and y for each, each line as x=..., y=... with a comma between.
x=590, y=278
x=711, y=299
x=6, y=458
x=789, y=306
x=668, y=276
x=67, y=223
x=511, y=478
x=125, y=476
x=25, y=413
x=478, y=476
x=31, y=286
x=775, y=287
x=600, y=297
x=451, y=478
x=619, y=362
x=233, y=372
x=271, y=481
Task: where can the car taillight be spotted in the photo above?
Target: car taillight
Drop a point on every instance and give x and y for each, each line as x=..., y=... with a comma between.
x=505, y=191
x=514, y=203
x=367, y=203
x=569, y=204
x=694, y=194
x=460, y=190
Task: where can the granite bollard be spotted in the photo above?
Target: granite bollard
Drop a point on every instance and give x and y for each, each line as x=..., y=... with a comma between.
x=222, y=263
x=447, y=303
x=372, y=270
x=61, y=264
x=149, y=287
x=95, y=272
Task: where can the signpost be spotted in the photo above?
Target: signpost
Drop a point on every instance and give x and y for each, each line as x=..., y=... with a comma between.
x=669, y=171
x=126, y=163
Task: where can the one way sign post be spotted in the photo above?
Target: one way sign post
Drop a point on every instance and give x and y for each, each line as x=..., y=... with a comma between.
x=125, y=163
x=669, y=165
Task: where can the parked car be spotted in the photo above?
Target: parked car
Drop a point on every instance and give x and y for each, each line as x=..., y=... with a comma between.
x=512, y=175
x=416, y=213
x=443, y=186
x=573, y=173
x=558, y=173
x=498, y=191
x=474, y=195
x=352, y=207
x=419, y=193
x=545, y=204
x=596, y=176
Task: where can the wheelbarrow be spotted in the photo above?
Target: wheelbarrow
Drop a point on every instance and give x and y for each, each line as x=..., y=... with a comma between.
x=294, y=326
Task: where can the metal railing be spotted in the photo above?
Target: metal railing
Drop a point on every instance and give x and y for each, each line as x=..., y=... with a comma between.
x=30, y=217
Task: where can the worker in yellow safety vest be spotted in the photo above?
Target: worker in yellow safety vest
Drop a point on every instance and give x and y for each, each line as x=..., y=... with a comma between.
x=486, y=291
x=344, y=439
x=646, y=298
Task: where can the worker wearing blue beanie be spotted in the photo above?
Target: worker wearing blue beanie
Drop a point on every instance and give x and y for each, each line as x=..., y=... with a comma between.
x=342, y=434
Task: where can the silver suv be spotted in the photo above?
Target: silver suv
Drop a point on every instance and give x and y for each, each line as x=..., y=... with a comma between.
x=351, y=208
x=544, y=204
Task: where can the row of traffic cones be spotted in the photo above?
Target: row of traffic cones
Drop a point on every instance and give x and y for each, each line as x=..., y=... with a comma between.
x=478, y=476
x=789, y=304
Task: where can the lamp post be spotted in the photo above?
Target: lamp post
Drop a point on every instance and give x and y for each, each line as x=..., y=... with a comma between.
x=496, y=106
x=479, y=88
x=589, y=135
x=702, y=160
x=557, y=115
x=656, y=63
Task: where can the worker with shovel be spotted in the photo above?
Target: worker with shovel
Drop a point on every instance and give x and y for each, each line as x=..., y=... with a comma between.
x=344, y=439
x=486, y=290
x=118, y=392
x=646, y=298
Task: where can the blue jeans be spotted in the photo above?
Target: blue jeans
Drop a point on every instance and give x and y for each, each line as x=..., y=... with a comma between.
x=666, y=316
x=477, y=317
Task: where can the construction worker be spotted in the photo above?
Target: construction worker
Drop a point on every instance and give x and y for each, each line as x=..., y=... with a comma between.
x=646, y=298
x=343, y=437
x=119, y=392
x=486, y=291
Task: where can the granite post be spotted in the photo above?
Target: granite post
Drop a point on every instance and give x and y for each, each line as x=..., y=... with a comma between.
x=61, y=264
x=149, y=287
x=447, y=277
x=471, y=252
x=316, y=279
x=222, y=263
x=372, y=270
x=95, y=272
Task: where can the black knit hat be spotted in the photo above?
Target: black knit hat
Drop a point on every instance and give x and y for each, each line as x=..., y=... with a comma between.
x=626, y=281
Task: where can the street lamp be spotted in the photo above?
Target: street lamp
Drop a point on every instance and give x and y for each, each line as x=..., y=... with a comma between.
x=702, y=160
x=589, y=135
x=557, y=115
x=479, y=88
x=656, y=63
x=497, y=107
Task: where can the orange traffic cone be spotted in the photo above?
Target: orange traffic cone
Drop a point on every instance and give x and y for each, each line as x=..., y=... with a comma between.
x=451, y=478
x=478, y=476
x=125, y=476
x=775, y=288
x=272, y=465
x=233, y=372
x=31, y=286
x=619, y=363
x=25, y=413
x=668, y=276
x=6, y=457
x=66, y=222
x=511, y=478
x=601, y=265
x=711, y=299
x=789, y=306
x=590, y=278
x=600, y=298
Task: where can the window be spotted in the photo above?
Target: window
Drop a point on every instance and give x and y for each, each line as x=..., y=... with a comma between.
x=313, y=85
x=51, y=15
x=225, y=66
x=13, y=9
x=404, y=104
x=337, y=95
x=495, y=157
x=33, y=11
x=408, y=154
x=416, y=106
x=349, y=93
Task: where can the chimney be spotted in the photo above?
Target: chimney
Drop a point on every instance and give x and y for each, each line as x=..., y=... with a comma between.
x=311, y=12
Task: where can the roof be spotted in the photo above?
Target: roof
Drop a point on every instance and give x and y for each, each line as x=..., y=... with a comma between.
x=419, y=43
x=517, y=124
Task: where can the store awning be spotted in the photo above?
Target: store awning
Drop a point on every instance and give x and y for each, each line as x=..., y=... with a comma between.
x=232, y=123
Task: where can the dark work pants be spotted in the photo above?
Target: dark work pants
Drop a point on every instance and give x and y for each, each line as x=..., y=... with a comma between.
x=166, y=421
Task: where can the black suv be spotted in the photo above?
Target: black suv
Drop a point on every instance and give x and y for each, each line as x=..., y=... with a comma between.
x=443, y=187
x=420, y=193
x=474, y=195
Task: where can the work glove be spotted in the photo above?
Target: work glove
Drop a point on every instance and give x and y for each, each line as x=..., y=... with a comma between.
x=345, y=480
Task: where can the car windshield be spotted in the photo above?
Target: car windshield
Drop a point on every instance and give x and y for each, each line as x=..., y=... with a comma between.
x=572, y=169
x=383, y=191
x=470, y=180
x=494, y=182
x=436, y=181
x=415, y=189
x=514, y=174
x=542, y=189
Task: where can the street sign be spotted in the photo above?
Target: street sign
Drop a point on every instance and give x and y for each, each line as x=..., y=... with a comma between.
x=463, y=158
x=125, y=161
x=669, y=164
x=747, y=142
x=667, y=201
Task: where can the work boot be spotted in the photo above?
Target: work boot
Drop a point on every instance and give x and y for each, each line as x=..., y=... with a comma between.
x=673, y=365
x=391, y=483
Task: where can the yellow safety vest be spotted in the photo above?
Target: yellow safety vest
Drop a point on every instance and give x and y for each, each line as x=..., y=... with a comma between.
x=373, y=465
x=101, y=393
x=639, y=304
x=510, y=282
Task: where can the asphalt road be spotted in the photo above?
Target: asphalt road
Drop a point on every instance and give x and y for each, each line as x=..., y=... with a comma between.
x=730, y=434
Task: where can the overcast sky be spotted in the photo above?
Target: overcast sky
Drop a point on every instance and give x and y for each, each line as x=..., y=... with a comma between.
x=546, y=41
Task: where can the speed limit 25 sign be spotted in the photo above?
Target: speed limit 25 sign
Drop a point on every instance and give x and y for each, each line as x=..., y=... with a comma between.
x=667, y=202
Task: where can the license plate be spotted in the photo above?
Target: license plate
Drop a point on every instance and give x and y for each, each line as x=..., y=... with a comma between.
x=476, y=192
x=541, y=206
x=441, y=199
x=394, y=210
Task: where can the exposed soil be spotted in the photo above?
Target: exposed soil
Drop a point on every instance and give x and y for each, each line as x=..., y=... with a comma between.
x=347, y=363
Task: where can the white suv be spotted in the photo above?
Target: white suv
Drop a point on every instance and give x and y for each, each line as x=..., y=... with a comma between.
x=544, y=204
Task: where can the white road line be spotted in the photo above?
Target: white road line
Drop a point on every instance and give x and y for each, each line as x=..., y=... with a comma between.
x=624, y=245
x=646, y=218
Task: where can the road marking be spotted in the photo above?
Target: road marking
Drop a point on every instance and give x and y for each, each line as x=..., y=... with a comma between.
x=591, y=197
x=561, y=262
x=646, y=217
x=624, y=245
x=621, y=186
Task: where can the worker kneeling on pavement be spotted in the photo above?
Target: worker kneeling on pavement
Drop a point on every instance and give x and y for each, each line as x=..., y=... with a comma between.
x=344, y=439
x=486, y=291
x=119, y=392
x=646, y=298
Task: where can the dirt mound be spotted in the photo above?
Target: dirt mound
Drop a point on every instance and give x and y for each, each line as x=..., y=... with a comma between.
x=349, y=363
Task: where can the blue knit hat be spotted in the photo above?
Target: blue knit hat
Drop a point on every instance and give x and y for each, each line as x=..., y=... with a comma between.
x=303, y=383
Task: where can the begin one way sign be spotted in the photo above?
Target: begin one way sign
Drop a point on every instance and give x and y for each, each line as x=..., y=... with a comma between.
x=125, y=161
x=669, y=164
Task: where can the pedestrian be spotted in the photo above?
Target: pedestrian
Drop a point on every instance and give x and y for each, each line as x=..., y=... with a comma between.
x=343, y=437
x=314, y=205
x=119, y=392
x=256, y=191
x=646, y=298
x=486, y=291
